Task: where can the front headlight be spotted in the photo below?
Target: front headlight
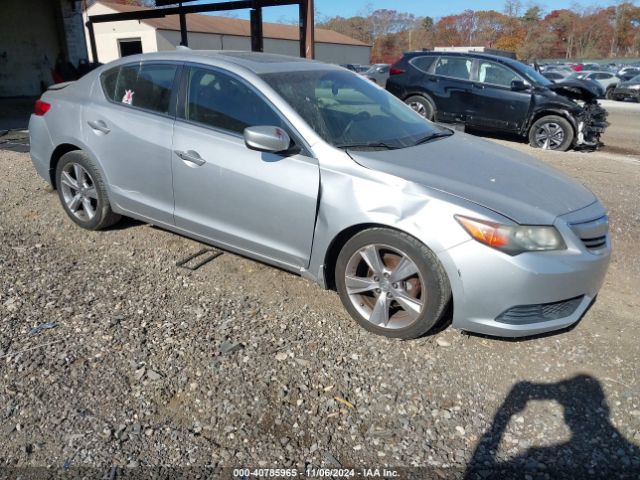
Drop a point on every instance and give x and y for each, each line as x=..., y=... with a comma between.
x=513, y=239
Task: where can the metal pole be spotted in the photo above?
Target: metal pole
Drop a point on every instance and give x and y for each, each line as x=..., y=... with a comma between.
x=184, y=40
x=92, y=41
x=257, y=39
x=310, y=51
x=307, y=37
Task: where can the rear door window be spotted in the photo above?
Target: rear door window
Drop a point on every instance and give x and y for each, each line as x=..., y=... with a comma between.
x=146, y=86
x=423, y=63
x=454, y=67
x=495, y=74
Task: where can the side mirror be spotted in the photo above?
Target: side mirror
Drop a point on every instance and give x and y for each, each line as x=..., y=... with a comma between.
x=267, y=139
x=518, y=85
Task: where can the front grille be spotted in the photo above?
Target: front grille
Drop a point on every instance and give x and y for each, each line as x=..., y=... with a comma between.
x=593, y=233
x=542, y=312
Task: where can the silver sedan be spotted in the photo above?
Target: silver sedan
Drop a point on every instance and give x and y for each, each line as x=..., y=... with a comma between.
x=319, y=171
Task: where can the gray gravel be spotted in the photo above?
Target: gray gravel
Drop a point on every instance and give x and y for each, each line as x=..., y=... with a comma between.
x=141, y=363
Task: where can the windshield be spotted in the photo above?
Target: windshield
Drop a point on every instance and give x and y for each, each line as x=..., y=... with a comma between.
x=534, y=76
x=347, y=110
x=635, y=79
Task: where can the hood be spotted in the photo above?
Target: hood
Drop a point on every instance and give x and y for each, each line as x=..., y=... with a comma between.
x=578, y=89
x=503, y=180
x=628, y=83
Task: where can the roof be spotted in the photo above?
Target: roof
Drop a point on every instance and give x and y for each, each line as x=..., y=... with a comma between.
x=198, y=23
x=487, y=56
x=257, y=62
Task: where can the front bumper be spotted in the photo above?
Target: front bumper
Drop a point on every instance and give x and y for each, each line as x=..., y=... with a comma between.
x=626, y=93
x=487, y=283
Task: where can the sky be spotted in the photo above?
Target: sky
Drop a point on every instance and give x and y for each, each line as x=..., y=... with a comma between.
x=435, y=9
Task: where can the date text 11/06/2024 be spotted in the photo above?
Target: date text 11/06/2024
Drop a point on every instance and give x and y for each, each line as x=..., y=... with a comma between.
x=246, y=473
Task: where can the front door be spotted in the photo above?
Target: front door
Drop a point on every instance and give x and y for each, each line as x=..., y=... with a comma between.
x=494, y=105
x=256, y=202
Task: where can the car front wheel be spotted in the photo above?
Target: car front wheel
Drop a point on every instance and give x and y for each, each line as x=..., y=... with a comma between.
x=551, y=133
x=82, y=192
x=609, y=93
x=391, y=284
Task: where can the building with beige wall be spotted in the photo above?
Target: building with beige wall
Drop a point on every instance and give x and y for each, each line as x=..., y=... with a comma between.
x=207, y=32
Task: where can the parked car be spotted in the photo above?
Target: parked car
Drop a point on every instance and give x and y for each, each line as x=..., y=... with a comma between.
x=628, y=90
x=378, y=73
x=628, y=73
x=497, y=93
x=354, y=67
x=559, y=68
x=315, y=169
x=627, y=69
x=594, y=67
x=554, y=76
x=606, y=80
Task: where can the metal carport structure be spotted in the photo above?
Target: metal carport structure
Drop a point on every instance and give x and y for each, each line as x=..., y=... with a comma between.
x=306, y=21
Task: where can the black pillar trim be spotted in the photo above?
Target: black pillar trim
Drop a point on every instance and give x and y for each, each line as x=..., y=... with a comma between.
x=257, y=39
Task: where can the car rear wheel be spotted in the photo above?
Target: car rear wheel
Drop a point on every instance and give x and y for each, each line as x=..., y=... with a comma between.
x=82, y=192
x=422, y=106
x=551, y=133
x=391, y=284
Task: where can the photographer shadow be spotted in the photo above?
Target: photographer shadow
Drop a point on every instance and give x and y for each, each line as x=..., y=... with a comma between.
x=596, y=448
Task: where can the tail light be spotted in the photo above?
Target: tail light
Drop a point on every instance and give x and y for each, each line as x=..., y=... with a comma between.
x=41, y=108
x=394, y=70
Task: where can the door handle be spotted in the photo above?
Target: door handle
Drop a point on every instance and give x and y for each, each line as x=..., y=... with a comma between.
x=191, y=156
x=99, y=125
x=479, y=86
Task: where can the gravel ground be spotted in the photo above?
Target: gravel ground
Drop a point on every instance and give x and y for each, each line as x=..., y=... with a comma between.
x=110, y=355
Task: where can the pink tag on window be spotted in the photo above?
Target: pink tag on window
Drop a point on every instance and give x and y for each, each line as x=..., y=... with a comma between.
x=128, y=97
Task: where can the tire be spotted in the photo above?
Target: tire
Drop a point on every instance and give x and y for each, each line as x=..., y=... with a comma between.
x=422, y=284
x=85, y=201
x=422, y=106
x=557, y=130
x=609, y=93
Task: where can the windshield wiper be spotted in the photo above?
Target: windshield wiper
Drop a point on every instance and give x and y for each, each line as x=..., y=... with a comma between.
x=433, y=136
x=356, y=146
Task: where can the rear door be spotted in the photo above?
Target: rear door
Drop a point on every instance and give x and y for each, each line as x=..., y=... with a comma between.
x=263, y=203
x=450, y=85
x=494, y=104
x=128, y=124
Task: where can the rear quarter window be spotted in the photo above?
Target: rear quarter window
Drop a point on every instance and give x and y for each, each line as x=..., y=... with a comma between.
x=108, y=81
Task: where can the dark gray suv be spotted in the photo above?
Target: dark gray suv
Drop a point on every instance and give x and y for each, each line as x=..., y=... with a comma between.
x=497, y=93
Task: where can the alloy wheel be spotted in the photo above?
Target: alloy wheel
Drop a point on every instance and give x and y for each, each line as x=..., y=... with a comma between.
x=79, y=191
x=385, y=286
x=419, y=108
x=549, y=136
